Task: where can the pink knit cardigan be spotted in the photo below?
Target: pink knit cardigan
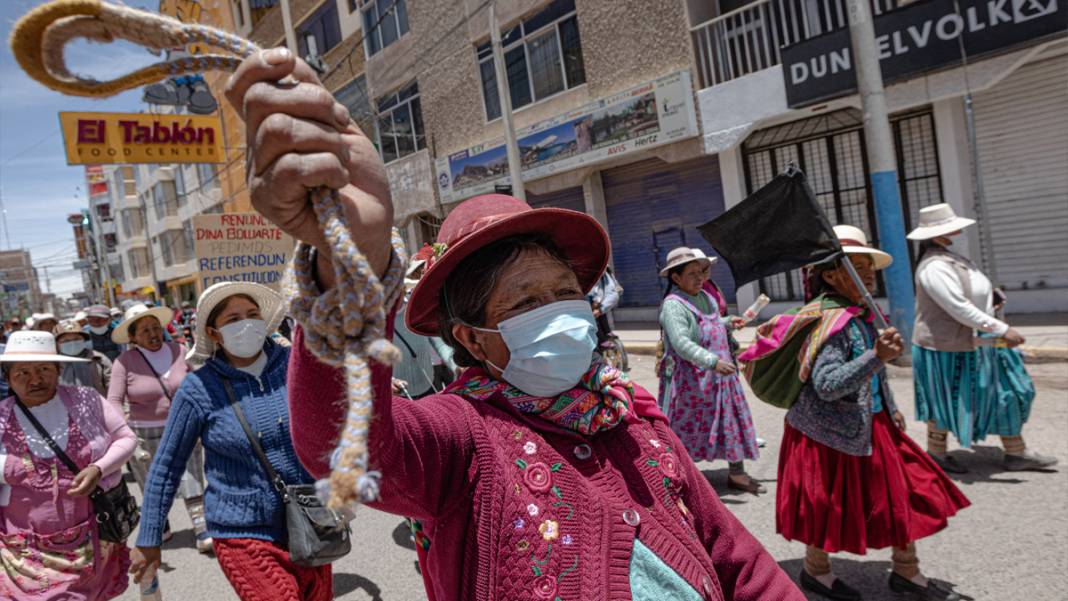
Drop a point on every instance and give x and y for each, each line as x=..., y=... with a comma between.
x=519, y=509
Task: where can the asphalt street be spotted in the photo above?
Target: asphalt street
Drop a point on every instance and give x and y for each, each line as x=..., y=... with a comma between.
x=1011, y=544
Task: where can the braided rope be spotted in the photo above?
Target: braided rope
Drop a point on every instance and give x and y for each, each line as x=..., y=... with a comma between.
x=344, y=327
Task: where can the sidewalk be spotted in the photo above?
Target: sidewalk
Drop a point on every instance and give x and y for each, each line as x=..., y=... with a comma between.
x=1046, y=334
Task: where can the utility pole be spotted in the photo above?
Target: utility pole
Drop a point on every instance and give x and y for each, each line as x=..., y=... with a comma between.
x=880, y=145
x=514, y=169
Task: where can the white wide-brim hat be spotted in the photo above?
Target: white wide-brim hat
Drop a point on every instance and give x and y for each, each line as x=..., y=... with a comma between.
x=681, y=256
x=938, y=220
x=271, y=305
x=855, y=242
x=121, y=333
x=701, y=256
x=34, y=345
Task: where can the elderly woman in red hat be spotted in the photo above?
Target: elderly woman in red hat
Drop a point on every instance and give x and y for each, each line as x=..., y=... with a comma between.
x=541, y=473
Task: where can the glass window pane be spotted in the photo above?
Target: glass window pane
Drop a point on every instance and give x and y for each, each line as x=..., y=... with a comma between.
x=545, y=65
x=569, y=41
x=402, y=17
x=374, y=39
x=515, y=63
x=550, y=14
x=489, y=90
x=417, y=122
x=389, y=148
x=385, y=124
x=388, y=26
x=402, y=120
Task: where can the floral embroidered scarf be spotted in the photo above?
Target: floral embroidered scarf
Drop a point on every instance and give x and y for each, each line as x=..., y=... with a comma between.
x=601, y=400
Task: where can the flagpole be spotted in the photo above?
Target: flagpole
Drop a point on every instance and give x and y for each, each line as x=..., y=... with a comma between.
x=880, y=320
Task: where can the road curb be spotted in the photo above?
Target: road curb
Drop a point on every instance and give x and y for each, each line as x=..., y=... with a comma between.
x=1031, y=354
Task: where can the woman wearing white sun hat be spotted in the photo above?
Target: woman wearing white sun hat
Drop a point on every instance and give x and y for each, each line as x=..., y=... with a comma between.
x=144, y=380
x=238, y=363
x=50, y=545
x=963, y=387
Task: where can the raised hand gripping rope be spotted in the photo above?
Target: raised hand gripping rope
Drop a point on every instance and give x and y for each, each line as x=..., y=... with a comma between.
x=345, y=326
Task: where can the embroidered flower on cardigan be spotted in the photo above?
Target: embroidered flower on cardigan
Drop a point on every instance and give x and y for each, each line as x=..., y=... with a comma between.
x=545, y=587
x=519, y=523
x=549, y=529
x=522, y=546
x=530, y=447
x=532, y=509
x=655, y=443
x=537, y=477
x=567, y=539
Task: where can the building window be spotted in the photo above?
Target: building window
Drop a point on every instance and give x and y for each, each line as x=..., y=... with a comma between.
x=384, y=22
x=354, y=96
x=132, y=223
x=206, y=177
x=400, y=124
x=319, y=32
x=131, y=180
x=173, y=247
x=187, y=234
x=138, y=260
x=542, y=57
x=164, y=199
x=103, y=212
x=179, y=185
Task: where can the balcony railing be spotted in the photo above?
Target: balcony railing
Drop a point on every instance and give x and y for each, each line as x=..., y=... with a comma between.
x=749, y=39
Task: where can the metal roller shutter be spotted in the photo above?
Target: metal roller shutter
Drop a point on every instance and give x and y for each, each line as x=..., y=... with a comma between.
x=568, y=198
x=1022, y=136
x=654, y=207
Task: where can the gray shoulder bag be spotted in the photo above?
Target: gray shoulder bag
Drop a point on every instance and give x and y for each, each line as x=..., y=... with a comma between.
x=317, y=534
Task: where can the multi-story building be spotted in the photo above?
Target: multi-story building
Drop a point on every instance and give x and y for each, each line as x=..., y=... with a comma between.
x=655, y=117
x=20, y=292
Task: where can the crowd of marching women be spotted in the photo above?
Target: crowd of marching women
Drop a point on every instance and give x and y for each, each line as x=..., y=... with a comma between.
x=542, y=471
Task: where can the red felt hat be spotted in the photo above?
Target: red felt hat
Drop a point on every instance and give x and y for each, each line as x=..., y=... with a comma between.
x=485, y=219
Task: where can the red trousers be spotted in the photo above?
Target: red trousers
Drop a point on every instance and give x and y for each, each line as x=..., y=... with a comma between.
x=260, y=570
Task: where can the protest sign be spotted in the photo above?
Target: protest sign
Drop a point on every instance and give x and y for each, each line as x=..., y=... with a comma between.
x=240, y=247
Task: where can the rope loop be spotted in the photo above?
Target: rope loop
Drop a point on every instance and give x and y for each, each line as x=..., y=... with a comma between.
x=346, y=326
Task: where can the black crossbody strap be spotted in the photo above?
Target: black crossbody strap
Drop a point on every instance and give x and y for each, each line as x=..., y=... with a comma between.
x=159, y=378
x=58, y=452
x=276, y=480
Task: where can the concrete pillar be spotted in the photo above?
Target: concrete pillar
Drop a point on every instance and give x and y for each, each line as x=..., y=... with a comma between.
x=593, y=195
x=414, y=243
x=732, y=175
x=954, y=162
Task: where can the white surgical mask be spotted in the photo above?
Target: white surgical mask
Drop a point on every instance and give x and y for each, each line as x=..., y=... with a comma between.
x=551, y=347
x=244, y=338
x=99, y=330
x=73, y=348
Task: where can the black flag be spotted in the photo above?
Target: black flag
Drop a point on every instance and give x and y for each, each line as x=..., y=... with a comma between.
x=778, y=228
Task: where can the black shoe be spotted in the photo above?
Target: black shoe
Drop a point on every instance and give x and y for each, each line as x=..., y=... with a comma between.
x=932, y=592
x=948, y=463
x=1028, y=461
x=839, y=591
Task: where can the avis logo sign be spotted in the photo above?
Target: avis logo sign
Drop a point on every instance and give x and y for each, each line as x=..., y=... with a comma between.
x=1026, y=10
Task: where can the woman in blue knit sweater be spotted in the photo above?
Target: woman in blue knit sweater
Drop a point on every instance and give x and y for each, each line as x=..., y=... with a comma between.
x=245, y=515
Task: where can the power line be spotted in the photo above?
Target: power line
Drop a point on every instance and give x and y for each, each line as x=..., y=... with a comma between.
x=31, y=147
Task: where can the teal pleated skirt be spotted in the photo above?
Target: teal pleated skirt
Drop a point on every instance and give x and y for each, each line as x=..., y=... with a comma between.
x=973, y=394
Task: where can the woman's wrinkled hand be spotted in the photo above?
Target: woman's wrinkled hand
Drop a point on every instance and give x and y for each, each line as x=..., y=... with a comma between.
x=299, y=138
x=85, y=482
x=725, y=368
x=889, y=345
x=142, y=559
x=899, y=420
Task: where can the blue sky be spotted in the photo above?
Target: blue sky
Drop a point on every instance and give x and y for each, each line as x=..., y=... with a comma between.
x=39, y=188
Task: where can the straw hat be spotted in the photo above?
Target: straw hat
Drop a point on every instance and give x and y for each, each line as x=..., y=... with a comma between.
x=483, y=220
x=938, y=220
x=270, y=303
x=701, y=256
x=121, y=333
x=80, y=316
x=33, y=345
x=855, y=242
x=681, y=256
x=68, y=326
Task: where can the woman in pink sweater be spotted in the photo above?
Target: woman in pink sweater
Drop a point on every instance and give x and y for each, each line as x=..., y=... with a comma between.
x=542, y=473
x=144, y=379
